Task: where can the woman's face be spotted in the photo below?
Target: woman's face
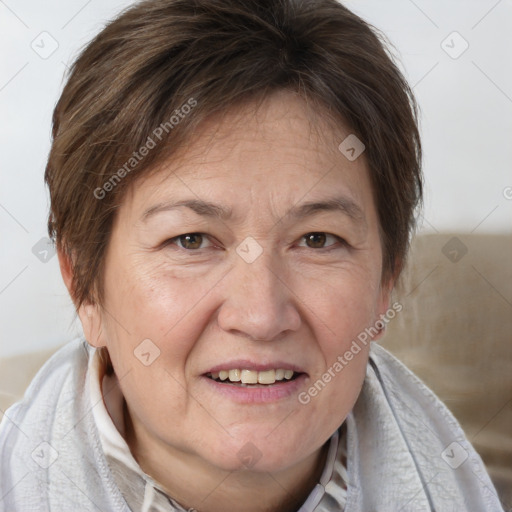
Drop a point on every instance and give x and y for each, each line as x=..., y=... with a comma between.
x=258, y=249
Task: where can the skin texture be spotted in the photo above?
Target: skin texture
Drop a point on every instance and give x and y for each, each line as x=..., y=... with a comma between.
x=201, y=307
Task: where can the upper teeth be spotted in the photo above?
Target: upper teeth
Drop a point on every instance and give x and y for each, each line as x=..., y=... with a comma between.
x=252, y=376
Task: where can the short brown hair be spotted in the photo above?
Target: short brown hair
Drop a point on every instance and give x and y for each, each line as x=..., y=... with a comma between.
x=161, y=55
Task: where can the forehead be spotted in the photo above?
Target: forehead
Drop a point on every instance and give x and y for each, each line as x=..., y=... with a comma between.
x=281, y=127
x=281, y=148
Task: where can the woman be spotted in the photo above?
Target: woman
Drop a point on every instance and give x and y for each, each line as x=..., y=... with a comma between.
x=233, y=187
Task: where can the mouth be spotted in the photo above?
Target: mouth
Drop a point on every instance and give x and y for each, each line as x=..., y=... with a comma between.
x=246, y=382
x=241, y=377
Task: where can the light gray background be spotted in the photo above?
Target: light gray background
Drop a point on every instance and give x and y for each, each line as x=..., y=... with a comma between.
x=466, y=107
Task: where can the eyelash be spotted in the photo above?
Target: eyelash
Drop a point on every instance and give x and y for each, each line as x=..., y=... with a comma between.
x=338, y=240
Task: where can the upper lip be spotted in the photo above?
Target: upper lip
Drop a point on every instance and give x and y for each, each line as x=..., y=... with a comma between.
x=245, y=364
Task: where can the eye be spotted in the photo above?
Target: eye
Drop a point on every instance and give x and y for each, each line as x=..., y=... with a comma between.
x=190, y=241
x=319, y=240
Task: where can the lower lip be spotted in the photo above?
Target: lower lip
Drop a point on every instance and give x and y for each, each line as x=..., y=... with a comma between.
x=252, y=395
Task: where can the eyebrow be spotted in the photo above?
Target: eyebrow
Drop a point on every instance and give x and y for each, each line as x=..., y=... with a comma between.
x=200, y=207
x=343, y=205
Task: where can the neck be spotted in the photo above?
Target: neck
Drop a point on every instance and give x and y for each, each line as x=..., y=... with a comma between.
x=207, y=488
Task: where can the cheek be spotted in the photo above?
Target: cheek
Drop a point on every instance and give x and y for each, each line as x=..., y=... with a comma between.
x=341, y=336
x=154, y=303
x=153, y=321
x=339, y=322
x=340, y=303
x=146, y=297
x=340, y=309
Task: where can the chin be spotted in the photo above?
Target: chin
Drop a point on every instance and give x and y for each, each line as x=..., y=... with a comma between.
x=256, y=455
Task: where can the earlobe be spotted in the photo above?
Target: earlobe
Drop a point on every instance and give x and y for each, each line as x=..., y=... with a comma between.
x=92, y=325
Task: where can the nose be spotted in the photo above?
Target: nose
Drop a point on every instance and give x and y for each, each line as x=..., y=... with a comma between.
x=258, y=304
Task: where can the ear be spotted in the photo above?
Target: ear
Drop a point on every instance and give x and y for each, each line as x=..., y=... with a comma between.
x=66, y=270
x=89, y=313
x=383, y=307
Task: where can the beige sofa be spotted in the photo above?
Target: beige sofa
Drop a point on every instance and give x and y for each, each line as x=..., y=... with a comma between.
x=455, y=332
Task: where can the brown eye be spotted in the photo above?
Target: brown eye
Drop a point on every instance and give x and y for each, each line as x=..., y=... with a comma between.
x=190, y=241
x=315, y=240
x=320, y=240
